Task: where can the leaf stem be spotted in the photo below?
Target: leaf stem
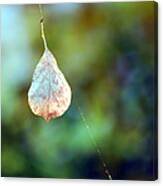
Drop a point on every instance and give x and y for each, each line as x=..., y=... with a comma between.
x=42, y=27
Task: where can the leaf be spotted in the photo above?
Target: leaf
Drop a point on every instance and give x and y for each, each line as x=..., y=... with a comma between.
x=50, y=94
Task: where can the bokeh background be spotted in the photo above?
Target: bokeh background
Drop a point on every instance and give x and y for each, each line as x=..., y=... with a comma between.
x=107, y=53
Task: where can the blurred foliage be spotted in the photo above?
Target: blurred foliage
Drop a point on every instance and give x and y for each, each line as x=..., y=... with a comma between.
x=106, y=51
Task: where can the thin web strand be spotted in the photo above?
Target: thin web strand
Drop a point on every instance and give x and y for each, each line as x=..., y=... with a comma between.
x=107, y=173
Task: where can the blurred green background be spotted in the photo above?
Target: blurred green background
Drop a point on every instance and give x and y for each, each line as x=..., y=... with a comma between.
x=107, y=53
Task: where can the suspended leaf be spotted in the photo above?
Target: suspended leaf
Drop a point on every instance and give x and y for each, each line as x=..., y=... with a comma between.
x=49, y=95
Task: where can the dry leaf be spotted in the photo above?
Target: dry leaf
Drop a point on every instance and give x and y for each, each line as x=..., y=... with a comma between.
x=49, y=95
